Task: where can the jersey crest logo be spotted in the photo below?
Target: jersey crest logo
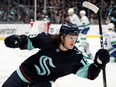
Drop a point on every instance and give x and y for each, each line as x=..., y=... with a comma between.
x=44, y=62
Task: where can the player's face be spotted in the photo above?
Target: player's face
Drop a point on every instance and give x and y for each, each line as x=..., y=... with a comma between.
x=69, y=41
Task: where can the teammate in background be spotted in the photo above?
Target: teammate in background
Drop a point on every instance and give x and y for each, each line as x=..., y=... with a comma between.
x=57, y=57
x=83, y=45
x=110, y=41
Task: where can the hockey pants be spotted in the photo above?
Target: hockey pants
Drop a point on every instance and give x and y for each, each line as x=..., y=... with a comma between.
x=15, y=81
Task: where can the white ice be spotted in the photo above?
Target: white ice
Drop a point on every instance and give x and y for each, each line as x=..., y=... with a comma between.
x=11, y=58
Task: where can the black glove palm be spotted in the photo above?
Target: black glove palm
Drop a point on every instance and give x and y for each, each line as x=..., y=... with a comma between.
x=12, y=41
x=102, y=57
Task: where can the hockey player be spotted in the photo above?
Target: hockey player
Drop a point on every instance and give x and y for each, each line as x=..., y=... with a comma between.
x=83, y=45
x=84, y=48
x=85, y=24
x=110, y=41
x=57, y=57
x=73, y=18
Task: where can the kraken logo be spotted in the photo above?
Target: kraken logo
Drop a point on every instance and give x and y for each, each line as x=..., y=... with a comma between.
x=44, y=61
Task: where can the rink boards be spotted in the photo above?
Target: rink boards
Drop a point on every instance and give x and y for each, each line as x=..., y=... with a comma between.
x=39, y=26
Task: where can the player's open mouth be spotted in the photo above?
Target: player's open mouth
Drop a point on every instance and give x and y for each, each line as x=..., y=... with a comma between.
x=71, y=44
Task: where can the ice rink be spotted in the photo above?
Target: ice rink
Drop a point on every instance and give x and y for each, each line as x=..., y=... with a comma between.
x=11, y=58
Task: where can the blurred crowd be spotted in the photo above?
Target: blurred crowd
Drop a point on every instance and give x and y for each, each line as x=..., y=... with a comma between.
x=21, y=11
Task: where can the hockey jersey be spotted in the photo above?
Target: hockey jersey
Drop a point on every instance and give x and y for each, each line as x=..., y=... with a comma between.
x=50, y=62
x=110, y=41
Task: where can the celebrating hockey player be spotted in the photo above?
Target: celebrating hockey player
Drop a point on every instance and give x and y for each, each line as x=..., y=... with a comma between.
x=57, y=57
x=110, y=41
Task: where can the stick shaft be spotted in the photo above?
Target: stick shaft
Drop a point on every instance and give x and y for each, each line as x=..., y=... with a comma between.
x=102, y=46
x=104, y=77
x=100, y=29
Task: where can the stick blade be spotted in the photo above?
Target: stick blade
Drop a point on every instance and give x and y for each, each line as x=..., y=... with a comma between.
x=90, y=6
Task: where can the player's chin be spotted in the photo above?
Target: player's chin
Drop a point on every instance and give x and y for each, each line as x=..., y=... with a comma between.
x=71, y=47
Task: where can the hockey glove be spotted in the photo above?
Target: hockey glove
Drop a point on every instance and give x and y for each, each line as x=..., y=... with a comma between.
x=12, y=41
x=102, y=57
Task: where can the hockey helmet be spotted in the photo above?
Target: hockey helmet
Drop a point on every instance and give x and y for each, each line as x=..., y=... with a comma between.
x=69, y=28
x=70, y=10
x=111, y=26
x=83, y=12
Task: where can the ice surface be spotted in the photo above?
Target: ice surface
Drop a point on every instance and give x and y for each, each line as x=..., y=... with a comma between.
x=10, y=59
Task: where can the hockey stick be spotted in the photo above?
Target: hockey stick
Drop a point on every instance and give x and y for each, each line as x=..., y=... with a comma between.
x=96, y=10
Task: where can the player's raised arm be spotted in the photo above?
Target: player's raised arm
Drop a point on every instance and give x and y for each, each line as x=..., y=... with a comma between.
x=28, y=42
